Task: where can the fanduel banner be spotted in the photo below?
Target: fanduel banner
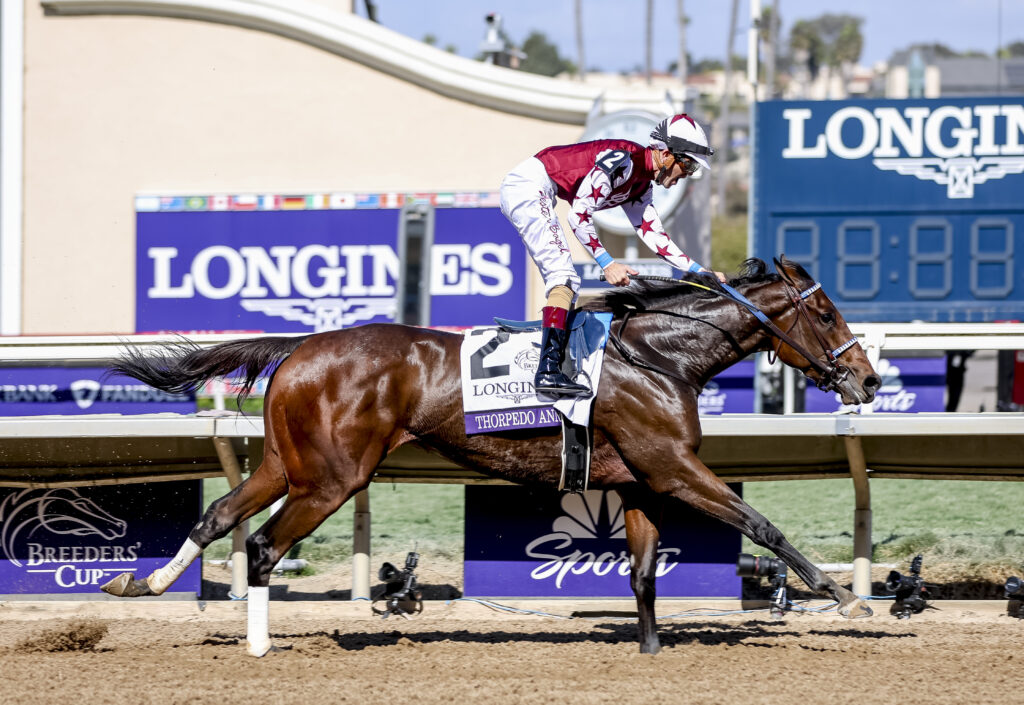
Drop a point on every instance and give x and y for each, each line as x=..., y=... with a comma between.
x=909, y=385
x=302, y=264
x=903, y=209
x=524, y=542
x=27, y=391
x=72, y=540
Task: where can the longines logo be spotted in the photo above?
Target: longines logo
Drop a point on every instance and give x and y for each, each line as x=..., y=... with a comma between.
x=958, y=147
x=595, y=514
x=324, y=287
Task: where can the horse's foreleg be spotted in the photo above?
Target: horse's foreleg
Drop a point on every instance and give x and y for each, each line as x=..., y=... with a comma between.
x=643, y=516
x=251, y=496
x=702, y=489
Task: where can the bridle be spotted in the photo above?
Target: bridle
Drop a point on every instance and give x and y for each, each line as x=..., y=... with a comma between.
x=831, y=373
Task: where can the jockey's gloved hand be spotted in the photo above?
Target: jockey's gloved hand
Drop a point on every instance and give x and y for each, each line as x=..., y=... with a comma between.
x=718, y=275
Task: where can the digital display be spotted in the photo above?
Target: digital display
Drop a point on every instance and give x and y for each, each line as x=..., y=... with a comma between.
x=903, y=209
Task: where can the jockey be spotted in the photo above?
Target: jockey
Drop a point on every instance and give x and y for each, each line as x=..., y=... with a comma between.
x=593, y=176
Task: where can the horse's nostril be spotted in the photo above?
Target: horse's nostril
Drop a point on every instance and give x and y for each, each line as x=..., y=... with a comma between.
x=872, y=383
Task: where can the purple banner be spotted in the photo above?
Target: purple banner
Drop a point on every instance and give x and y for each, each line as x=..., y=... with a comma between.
x=730, y=392
x=526, y=542
x=316, y=267
x=72, y=540
x=510, y=419
x=29, y=391
x=478, y=268
x=909, y=385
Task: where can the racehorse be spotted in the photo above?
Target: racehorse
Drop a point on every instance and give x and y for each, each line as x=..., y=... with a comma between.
x=339, y=402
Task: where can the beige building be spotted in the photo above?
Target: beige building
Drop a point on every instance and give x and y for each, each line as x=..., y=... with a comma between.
x=106, y=100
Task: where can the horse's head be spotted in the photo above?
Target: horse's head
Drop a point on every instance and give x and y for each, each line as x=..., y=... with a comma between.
x=64, y=511
x=803, y=310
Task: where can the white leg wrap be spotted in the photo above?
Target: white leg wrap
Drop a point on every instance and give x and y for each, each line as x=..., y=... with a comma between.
x=162, y=578
x=258, y=628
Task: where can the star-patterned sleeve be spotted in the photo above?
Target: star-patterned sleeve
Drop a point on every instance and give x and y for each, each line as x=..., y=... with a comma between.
x=591, y=196
x=644, y=217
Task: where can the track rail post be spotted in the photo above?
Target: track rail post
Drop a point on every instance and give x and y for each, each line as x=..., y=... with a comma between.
x=361, y=547
x=239, y=560
x=861, y=516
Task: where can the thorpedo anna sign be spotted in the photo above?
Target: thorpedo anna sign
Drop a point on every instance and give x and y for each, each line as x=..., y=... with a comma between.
x=903, y=209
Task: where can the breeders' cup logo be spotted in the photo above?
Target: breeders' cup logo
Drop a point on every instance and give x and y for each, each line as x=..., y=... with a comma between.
x=324, y=287
x=528, y=359
x=38, y=514
x=570, y=547
x=711, y=399
x=956, y=147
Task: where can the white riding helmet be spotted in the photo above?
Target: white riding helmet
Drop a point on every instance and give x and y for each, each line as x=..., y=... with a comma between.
x=681, y=135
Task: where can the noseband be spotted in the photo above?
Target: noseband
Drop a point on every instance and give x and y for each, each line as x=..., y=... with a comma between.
x=831, y=374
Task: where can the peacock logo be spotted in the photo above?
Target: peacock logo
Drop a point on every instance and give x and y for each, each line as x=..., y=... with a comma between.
x=589, y=522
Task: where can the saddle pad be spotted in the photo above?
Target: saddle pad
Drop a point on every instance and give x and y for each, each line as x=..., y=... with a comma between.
x=498, y=367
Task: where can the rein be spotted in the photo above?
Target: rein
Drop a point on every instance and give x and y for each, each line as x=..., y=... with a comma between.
x=832, y=374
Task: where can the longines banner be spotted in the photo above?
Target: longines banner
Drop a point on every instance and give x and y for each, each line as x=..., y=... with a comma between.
x=903, y=209
x=524, y=542
x=313, y=263
x=72, y=540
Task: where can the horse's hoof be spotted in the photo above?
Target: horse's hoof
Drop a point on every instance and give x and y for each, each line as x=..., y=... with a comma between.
x=125, y=585
x=258, y=649
x=856, y=609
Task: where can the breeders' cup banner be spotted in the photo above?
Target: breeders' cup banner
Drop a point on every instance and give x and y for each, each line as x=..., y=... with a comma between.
x=72, y=540
x=903, y=209
x=730, y=392
x=525, y=542
x=29, y=391
x=317, y=262
x=909, y=385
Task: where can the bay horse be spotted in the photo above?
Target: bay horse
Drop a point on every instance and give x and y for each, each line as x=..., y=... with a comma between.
x=339, y=402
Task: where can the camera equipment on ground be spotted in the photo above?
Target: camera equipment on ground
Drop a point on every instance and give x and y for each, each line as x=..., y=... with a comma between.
x=910, y=590
x=750, y=566
x=402, y=595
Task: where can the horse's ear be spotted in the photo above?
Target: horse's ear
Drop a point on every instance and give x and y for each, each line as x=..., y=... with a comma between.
x=791, y=269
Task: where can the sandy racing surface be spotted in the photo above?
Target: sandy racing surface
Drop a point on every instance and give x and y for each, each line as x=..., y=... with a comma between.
x=164, y=652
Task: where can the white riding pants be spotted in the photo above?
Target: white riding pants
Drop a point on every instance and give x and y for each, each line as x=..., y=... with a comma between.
x=528, y=201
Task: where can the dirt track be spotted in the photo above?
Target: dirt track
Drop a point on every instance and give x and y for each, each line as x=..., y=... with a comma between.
x=143, y=652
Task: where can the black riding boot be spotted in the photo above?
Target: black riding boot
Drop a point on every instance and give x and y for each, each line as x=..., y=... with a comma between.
x=550, y=379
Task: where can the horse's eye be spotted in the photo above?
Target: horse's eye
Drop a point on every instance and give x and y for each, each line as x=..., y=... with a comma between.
x=828, y=318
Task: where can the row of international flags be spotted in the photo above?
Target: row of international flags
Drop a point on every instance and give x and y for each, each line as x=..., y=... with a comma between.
x=314, y=201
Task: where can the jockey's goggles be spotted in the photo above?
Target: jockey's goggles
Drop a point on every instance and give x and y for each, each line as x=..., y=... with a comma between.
x=689, y=165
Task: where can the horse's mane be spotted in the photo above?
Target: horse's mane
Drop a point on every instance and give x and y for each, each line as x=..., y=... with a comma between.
x=653, y=294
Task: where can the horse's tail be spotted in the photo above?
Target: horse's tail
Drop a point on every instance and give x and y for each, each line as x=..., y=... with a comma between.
x=183, y=367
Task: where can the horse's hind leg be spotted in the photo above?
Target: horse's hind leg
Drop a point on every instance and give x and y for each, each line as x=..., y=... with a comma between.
x=252, y=495
x=301, y=514
x=643, y=517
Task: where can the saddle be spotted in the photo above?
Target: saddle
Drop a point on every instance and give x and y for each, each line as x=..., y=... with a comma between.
x=587, y=334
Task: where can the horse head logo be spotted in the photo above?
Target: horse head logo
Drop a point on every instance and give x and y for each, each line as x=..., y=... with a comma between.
x=59, y=511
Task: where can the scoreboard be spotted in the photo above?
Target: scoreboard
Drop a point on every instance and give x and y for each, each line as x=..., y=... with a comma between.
x=904, y=209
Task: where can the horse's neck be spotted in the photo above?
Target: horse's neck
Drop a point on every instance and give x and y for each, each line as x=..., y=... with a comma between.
x=727, y=331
